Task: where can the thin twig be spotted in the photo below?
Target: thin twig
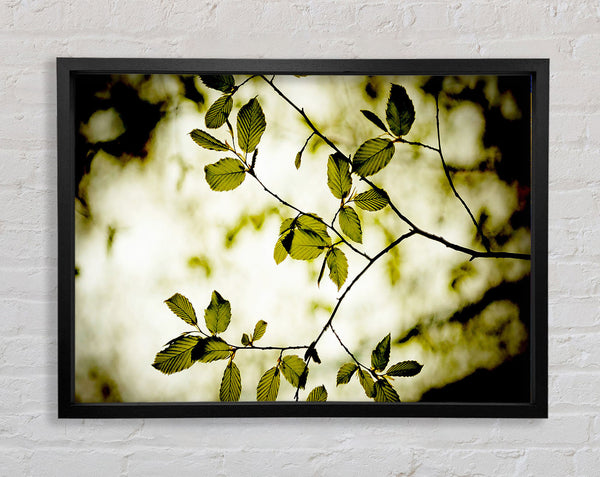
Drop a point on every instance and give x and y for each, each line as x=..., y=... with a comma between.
x=473, y=253
x=484, y=239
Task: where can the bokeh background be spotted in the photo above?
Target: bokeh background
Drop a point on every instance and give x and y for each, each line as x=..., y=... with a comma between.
x=147, y=226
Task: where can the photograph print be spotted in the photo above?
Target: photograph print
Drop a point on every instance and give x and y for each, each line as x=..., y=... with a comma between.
x=290, y=238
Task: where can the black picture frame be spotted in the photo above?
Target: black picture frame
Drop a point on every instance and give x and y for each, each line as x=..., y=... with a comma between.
x=68, y=70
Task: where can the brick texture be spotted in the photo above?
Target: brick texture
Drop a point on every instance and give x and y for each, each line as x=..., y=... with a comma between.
x=33, y=33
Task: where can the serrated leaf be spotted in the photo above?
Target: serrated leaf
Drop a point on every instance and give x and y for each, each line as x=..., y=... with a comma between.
x=319, y=394
x=384, y=392
x=245, y=339
x=218, y=113
x=259, y=330
x=218, y=313
x=280, y=253
x=177, y=355
x=286, y=225
x=372, y=200
x=345, y=373
x=338, y=266
x=294, y=370
x=366, y=381
x=404, y=368
x=231, y=384
x=210, y=349
x=313, y=223
x=374, y=119
x=381, y=354
x=304, y=244
x=251, y=125
x=207, y=141
x=400, y=112
x=182, y=307
x=224, y=83
x=268, y=385
x=225, y=174
x=338, y=176
x=372, y=156
x=350, y=224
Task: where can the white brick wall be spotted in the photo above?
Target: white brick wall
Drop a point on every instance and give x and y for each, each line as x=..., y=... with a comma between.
x=33, y=442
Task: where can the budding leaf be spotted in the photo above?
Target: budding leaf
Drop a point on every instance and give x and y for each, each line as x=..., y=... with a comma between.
x=182, y=307
x=384, y=392
x=345, y=373
x=350, y=224
x=294, y=369
x=207, y=141
x=298, y=160
x=218, y=313
x=381, y=354
x=226, y=174
x=245, y=339
x=251, y=125
x=268, y=385
x=218, y=113
x=177, y=355
x=338, y=176
x=319, y=394
x=259, y=330
x=374, y=119
x=372, y=156
x=224, y=83
x=400, y=112
x=404, y=368
x=372, y=200
x=338, y=266
x=231, y=384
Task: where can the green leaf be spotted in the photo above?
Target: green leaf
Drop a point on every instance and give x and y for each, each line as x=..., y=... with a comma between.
x=404, y=368
x=218, y=313
x=372, y=156
x=294, y=370
x=374, y=119
x=311, y=353
x=207, y=141
x=177, y=355
x=251, y=125
x=313, y=223
x=224, y=83
x=338, y=176
x=286, y=224
x=372, y=200
x=400, y=112
x=259, y=330
x=319, y=394
x=366, y=381
x=305, y=244
x=218, y=113
x=338, y=266
x=231, y=384
x=350, y=224
x=384, y=392
x=268, y=385
x=225, y=174
x=381, y=354
x=182, y=307
x=210, y=349
x=345, y=373
x=280, y=253
x=298, y=160
x=245, y=339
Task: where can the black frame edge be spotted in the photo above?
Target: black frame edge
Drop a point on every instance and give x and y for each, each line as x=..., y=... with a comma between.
x=67, y=68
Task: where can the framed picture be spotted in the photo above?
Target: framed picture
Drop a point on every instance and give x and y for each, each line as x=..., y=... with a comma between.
x=347, y=238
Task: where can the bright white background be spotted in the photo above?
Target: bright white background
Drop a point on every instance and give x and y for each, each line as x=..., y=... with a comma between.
x=34, y=442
